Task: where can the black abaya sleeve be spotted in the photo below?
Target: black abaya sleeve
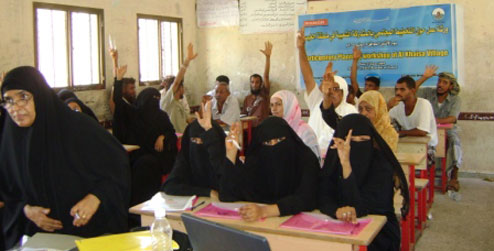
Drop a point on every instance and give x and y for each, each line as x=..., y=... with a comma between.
x=305, y=196
x=330, y=116
x=180, y=180
x=232, y=182
x=328, y=191
x=375, y=196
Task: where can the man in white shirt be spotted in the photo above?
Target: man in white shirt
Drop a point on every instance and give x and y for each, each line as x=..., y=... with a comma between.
x=413, y=116
x=173, y=100
x=314, y=96
x=225, y=108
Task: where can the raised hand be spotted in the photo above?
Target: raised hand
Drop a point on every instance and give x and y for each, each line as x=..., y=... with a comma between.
x=301, y=38
x=113, y=53
x=205, y=119
x=357, y=53
x=268, y=47
x=190, y=54
x=232, y=141
x=121, y=72
x=39, y=216
x=329, y=73
x=343, y=148
x=430, y=70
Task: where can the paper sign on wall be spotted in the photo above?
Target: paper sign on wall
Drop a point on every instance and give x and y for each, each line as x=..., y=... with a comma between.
x=216, y=13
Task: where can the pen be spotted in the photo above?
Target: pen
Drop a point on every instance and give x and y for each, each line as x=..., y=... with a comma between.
x=196, y=206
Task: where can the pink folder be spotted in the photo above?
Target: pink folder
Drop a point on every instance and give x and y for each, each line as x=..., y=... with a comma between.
x=216, y=210
x=324, y=224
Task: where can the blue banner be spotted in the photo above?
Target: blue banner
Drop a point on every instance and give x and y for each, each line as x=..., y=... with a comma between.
x=394, y=42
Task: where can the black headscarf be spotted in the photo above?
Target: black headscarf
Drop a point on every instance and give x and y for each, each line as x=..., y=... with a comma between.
x=285, y=173
x=151, y=122
x=85, y=109
x=56, y=162
x=196, y=170
x=363, y=155
x=65, y=94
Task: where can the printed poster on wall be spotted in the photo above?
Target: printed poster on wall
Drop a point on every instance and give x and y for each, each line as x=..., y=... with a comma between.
x=394, y=42
x=217, y=13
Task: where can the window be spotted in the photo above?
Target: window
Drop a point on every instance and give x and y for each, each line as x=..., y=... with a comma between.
x=160, y=47
x=69, y=45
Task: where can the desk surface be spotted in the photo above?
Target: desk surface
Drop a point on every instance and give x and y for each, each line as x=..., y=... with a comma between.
x=415, y=139
x=445, y=126
x=410, y=158
x=130, y=148
x=271, y=226
x=248, y=118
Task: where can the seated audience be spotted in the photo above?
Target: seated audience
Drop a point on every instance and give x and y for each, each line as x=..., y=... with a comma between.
x=446, y=105
x=257, y=103
x=314, y=96
x=371, y=82
x=413, y=116
x=279, y=171
x=372, y=105
x=285, y=105
x=60, y=171
x=359, y=177
x=173, y=100
x=225, y=107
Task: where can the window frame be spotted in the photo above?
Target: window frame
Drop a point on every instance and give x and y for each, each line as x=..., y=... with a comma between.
x=180, y=45
x=101, y=43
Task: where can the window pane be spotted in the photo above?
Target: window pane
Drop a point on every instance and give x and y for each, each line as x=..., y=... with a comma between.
x=85, y=51
x=169, y=48
x=148, y=50
x=52, y=46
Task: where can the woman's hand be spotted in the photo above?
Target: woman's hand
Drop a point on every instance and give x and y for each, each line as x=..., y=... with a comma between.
x=38, y=215
x=232, y=141
x=158, y=145
x=347, y=214
x=254, y=212
x=343, y=148
x=84, y=210
x=214, y=195
x=1, y=204
x=205, y=119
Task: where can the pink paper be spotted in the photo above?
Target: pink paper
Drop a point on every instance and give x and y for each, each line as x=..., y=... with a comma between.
x=218, y=212
x=324, y=224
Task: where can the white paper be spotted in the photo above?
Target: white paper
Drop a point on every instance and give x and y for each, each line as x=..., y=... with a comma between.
x=270, y=16
x=171, y=203
x=49, y=241
x=216, y=13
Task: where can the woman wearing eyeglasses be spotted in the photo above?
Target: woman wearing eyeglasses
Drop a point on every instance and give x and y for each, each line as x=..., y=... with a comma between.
x=60, y=171
x=279, y=171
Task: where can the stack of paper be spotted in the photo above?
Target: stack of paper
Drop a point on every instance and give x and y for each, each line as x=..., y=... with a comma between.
x=170, y=202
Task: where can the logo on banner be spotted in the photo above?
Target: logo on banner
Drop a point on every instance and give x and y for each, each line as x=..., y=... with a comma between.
x=438, y=14
x=317, y=22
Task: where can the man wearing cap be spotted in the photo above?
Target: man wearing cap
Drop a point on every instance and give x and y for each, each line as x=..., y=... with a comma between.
x=446, y=105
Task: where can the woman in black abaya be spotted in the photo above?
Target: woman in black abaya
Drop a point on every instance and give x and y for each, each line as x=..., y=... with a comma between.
x=359, y=177
x=60, y=171
x=77, y=105
x=279, y=170
x=196, y=168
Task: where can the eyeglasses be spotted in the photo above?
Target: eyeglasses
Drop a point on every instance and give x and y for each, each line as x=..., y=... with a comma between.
x=9, y=102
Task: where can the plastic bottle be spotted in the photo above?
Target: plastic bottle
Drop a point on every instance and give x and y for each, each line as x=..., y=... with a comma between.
x=454, y=195
x=161, y=231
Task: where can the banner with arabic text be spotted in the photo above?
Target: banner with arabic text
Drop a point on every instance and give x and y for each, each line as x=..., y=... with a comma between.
x=394, y=42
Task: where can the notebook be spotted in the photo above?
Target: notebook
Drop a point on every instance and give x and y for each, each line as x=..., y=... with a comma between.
x=324, y=224
x=171, y=203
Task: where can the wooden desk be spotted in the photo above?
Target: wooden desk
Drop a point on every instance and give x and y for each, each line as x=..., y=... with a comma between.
x=442, y=136
x=130, y=148
x=280, y=238
x=247, y=125
x=412, y=160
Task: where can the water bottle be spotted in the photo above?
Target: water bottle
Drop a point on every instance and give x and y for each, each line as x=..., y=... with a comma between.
x=161, y=231
x=454, y=195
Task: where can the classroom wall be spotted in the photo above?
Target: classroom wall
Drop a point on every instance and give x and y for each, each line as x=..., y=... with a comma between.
x=120, y=20
x=226, y=51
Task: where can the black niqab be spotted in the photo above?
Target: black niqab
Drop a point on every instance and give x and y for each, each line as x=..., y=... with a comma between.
x=284, y=173
x=85, y=109
x=56, y=162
